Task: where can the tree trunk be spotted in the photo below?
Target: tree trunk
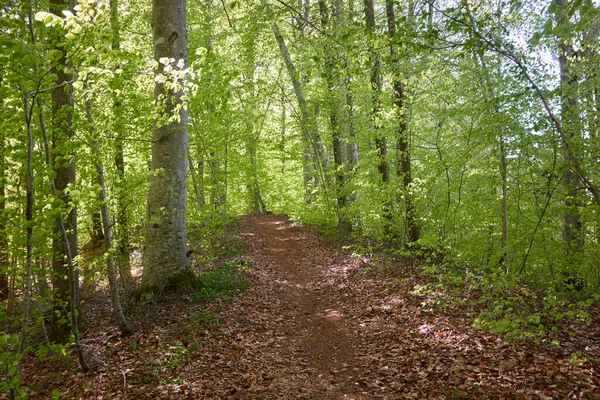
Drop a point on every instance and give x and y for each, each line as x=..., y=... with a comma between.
x=62, y=134
x=377, y=89
x=257, y=200
x=403, y=165
x=165, y=260
x=110, y=262
x=97, y=235
x=3, y=233
x=573, y=235
x=334, y=84
x=123, y=245
x=308, y=123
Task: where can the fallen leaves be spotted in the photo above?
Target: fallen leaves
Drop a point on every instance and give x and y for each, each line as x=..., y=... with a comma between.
x=311, y=325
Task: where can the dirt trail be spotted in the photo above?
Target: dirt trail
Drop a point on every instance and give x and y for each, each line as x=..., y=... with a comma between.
x=315, y=324
x=314, y=315
x=305, y=312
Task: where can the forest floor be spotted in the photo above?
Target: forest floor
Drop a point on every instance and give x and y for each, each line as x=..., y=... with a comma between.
x=312, y=323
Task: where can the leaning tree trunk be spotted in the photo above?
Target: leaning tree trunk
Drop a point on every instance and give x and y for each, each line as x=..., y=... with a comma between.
x=309, y=125
x=164, y=259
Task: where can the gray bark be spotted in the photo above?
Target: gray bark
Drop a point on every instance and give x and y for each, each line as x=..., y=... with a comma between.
x=377, y=89
x=309, y=125
x=164, y=257
x=403, y=163
x=573, y=235
x=62, y=134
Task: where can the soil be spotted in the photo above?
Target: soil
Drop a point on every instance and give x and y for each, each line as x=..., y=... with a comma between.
x=313, y=324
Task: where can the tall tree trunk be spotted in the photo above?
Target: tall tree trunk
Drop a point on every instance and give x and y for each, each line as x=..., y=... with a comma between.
x=334, y=84
x=257, y=200
x=377, y=89
x=352, y=154
x=573, y=236
x=165, y=260
x=403, y=164
x=70, y=254
x=3, y=233
x=309, y=125
x=123, y=244
x=62, y=134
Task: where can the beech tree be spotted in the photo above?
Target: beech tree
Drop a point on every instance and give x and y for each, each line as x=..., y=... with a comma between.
x=64, y=166
x=165, y=259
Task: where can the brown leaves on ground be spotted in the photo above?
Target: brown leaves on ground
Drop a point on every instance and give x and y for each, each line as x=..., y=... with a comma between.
x=311, y=325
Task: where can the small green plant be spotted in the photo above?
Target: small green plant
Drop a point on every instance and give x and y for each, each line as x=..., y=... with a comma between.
x=226, y=280
x=52, y=352
x=577, y=358
x=200, y=322
x=175, y=354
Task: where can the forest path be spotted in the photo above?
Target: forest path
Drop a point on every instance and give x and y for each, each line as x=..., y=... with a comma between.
x=314, y=324
x=304, y=302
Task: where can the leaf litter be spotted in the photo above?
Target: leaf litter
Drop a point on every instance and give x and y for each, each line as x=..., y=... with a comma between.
x=311, y=324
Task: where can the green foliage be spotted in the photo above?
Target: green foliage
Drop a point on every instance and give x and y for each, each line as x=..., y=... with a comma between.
x=52, y=352
x=503, y=305
x=224, y=280
x=467, y=108
x=510, y=310
x=9, y=361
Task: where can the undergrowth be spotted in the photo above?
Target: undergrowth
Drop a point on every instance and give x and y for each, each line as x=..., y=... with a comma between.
x=224, y=280
x=503, y=305
x=494, y=301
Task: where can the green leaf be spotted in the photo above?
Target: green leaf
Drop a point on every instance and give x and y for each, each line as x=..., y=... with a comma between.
x=55, y=54
x=535, y=39
x=49, y=19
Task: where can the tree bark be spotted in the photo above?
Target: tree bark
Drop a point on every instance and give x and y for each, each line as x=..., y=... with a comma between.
x=123, y=244
x=377, y=90
x=62, y=134
x=164, y=258
x=573, y=232
x=403, y=163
